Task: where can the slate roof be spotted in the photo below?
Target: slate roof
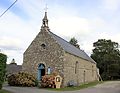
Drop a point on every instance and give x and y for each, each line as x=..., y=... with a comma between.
x=71, y=49
x=13, y=68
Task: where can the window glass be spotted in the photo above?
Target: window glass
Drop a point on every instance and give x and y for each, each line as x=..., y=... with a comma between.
x=49, y=70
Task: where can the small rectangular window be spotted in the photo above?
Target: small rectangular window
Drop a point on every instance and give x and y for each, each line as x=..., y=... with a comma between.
x=76, y=67
x=92, y=71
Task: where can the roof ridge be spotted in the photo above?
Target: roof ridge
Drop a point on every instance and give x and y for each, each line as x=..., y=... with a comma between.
x=74, y=50
x=66, y=41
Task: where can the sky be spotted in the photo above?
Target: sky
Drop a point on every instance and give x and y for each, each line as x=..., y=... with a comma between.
x=86, y=20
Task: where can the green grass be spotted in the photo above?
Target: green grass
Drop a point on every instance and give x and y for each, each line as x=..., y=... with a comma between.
x=4, y=91
x=91, y=84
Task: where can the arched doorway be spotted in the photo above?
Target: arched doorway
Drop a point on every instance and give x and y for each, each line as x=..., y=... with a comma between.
x=41, y=71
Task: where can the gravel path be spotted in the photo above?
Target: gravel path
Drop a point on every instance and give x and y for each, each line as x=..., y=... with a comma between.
x=107, y=87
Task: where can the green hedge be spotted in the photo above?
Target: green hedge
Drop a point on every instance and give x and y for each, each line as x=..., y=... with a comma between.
x=3, y=59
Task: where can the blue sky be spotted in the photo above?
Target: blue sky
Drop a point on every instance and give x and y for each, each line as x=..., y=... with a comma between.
x=17, y=10
x=86, y=20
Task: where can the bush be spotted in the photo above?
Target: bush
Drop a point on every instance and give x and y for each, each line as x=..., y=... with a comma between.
x=3, y=59
x=48, y=81
x=22, y=79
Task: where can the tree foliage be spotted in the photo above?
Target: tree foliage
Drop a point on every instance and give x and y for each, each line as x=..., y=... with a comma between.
x=74, y=42
x=3, y=59
x=107, y=56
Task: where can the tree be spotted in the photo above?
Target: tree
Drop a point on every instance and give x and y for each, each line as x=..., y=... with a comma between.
x=74, y=42
x=106, y=54
x=114, y=71
x=3, y=59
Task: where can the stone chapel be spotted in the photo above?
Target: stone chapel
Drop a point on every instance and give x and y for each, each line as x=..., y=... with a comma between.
x=48, y=53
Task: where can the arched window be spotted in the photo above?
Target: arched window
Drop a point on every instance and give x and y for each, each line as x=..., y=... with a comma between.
x=49, y=70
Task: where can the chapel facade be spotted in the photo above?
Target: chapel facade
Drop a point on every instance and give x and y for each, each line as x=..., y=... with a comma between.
x=50, y=53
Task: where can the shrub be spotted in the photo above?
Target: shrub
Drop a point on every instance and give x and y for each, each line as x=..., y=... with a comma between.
x=3, y=59
x=48, y=81
x=22, y=79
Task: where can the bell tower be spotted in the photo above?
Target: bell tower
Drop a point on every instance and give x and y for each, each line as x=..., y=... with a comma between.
x=45, y=21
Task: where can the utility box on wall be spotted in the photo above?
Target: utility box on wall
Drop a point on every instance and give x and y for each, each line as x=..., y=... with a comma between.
x=58, y=81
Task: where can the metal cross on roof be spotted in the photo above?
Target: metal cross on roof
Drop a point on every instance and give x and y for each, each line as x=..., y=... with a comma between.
x=46, y=8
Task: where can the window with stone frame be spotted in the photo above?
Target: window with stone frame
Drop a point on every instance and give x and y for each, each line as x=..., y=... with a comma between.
x=92, y=70
x=76, y=63
x=84, y=76
x=43, y=46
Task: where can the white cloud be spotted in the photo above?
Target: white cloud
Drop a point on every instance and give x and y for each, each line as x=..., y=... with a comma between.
x=98, y=23
x=86, y=31
x=8, y=43
x=111, y=4
x=31, y=8
x=116, y=38
x=17, y=55
x=70, y=26
x=19, y=33
x=16, y=35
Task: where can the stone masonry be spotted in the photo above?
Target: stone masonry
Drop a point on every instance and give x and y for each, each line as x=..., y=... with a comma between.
x=53, y=51
x=52, y=56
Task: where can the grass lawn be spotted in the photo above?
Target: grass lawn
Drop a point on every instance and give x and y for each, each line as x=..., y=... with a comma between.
x=4, y=91
x=78, y=87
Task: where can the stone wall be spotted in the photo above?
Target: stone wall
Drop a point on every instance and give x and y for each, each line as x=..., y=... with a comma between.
x=44, y=49
x=79, y=70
